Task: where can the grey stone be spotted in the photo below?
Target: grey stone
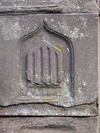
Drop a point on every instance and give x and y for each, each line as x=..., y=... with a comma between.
x=49, y=66
x=30, y=6
x=50, y=125
x=49, y=110
x=82, y=32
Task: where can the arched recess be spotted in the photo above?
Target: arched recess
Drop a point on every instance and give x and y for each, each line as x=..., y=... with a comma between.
x=30, y=57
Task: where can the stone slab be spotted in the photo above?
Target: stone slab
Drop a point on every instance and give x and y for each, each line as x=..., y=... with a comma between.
x=50, y=125
x=49, y=110
x=69, y=6
x=17, y=38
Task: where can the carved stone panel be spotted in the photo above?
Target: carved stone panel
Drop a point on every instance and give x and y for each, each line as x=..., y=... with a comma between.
x=48, y=59
x=46, y=68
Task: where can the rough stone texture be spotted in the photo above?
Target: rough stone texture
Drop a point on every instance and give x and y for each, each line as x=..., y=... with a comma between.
x=48, y=110
x=69, y=6
x=82, y=31
x=98, y=2
x=99, y=76
x=48, y=125
x=21, y=94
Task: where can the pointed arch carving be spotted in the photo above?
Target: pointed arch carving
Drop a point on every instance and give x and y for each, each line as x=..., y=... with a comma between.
x=53, y=74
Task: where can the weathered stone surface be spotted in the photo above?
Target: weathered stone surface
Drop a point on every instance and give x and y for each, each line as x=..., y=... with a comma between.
x=15, y=43
x=48, y=110
x=99, y=77
x=69, y=6
x=98, y=2
x=48, y=66
x=48, y=125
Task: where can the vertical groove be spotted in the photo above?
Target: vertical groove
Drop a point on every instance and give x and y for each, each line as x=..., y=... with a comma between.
x=30, y=67
x=53, y=67
x=37, y=67
x=41, y=59
x=45, y=65
x=33, y=67
x=49, y=66
x=57, y=67
x=60, y=67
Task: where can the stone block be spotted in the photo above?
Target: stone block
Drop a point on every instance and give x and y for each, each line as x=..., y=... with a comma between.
x=48, y=125
x=63, y=70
